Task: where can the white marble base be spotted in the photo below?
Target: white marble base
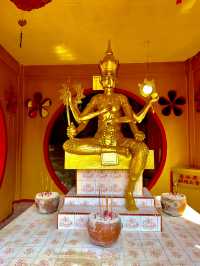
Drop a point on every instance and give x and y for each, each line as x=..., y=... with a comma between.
x=75, y=209
x=143, y=201
x=146, y=219
x=108, y=182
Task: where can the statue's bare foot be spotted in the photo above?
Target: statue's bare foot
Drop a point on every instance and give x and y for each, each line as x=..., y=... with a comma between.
x=130, y=203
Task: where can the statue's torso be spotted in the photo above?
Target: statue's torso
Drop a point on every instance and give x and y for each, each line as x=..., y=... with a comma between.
x=109, y=132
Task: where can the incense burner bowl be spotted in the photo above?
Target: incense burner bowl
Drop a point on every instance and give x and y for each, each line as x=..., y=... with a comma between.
x=105, y=229
x=173, y=204
x=47, y=202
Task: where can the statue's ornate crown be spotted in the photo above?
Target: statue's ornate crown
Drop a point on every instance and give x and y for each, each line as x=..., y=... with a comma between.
x=109, y=65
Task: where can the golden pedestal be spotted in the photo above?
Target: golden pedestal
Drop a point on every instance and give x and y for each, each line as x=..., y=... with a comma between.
x=86, y=162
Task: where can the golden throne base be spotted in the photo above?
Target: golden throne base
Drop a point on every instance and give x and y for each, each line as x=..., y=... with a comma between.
x=86, y=162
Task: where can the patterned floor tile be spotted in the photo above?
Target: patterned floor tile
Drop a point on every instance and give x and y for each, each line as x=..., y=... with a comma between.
x=41, y=261
x=135, y=254
x=131, y=243
x=29, y=251
x=194, y=254
x=5, y=261
x=18, y=208
x=183, y=263
x=147, y=235
x=9, y=252
x=36, y=240
x=47, y=252
x=151, y=243
x=155, y=253
x=111, y=262
x=131, y=262
x=71, y=261
x=32, y=239
x=21, y=261
x=159, y=263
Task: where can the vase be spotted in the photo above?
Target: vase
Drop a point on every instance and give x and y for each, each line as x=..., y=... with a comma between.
x=173, y=204
x=104, y=230
x=47, y=202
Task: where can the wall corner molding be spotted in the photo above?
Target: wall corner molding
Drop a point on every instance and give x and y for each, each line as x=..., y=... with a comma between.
x=9, y=60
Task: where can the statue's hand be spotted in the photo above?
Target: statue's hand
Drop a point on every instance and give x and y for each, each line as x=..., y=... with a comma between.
x=107, y=109
x=139, y=135
x=68, y=97
x=71, y=131
x=154, y=97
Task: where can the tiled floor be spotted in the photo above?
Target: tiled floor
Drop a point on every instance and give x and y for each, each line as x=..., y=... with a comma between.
x=33, y=240
x=18, y=208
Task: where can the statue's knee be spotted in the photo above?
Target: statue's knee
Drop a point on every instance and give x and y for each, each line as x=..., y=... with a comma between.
x=133, y=178
x=143, y=148
x=68, y=146
x=140, y=148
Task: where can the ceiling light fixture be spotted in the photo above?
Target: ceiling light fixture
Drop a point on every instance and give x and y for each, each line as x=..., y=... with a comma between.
x=27, y=5
x=147, y=87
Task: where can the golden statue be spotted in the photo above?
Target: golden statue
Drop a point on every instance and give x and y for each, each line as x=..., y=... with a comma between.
x=112, y=110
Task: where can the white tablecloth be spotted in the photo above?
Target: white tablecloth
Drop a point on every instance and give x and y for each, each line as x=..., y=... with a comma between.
x=32, y=239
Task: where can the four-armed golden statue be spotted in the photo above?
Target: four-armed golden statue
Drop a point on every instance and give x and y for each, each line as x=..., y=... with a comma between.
x=112, y=110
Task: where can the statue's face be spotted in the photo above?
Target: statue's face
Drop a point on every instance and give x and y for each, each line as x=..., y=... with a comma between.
x=108, y=81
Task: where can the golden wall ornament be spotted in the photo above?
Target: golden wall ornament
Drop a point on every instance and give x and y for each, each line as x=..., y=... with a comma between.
x=112, y=110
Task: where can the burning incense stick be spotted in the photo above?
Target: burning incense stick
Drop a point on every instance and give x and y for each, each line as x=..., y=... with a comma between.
x=106, y=204
x=100, y=201
x=111, y=198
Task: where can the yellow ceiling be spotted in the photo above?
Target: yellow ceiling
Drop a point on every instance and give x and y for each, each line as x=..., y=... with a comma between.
x=77, y=31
